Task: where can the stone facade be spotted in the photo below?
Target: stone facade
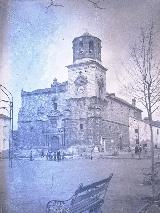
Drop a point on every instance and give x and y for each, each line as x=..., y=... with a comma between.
x=78, y=111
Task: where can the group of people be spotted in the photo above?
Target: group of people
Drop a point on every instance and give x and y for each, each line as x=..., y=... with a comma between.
x=56, y=156
x=138, y=150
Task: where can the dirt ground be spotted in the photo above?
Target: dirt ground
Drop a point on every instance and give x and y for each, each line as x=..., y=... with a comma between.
x=29, y=185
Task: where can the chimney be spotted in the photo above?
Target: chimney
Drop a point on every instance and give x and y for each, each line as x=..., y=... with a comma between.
x=134, y=102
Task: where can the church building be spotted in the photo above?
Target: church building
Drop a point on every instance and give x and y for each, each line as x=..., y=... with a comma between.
x=78, y=111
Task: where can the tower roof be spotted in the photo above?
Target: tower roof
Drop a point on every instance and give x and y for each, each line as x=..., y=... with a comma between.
x=86, y=34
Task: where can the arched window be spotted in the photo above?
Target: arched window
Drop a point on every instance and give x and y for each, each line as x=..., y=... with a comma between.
x=55, y=105
x=91, y=46
x=81, y=126
x=81, y=47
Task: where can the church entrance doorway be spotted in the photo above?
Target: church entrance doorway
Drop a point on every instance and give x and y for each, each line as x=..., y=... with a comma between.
x=54, y=143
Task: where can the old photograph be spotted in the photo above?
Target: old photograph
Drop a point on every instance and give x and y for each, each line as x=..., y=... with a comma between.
x=79, y=106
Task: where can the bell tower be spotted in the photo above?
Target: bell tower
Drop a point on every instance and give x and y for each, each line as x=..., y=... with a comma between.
x=86, y=47
x=86, y=76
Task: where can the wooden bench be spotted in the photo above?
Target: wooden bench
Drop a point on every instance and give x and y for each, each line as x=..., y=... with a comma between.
x=88, y=199
x=152, y=205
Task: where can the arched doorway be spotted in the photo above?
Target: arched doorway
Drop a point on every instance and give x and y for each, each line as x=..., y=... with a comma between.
x=54, y=143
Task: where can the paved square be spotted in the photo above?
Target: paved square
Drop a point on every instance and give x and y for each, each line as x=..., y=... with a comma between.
x=30, y=184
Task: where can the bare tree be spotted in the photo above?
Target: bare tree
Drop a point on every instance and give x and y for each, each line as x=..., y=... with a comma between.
x=145, y=77
x=96, y=4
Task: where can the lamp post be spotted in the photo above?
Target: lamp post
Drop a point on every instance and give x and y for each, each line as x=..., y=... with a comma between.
x=9, y=96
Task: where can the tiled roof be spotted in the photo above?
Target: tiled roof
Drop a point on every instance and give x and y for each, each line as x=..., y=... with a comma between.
x=120, y=100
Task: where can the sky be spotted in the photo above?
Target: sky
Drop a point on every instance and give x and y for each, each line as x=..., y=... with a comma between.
x=38, y=41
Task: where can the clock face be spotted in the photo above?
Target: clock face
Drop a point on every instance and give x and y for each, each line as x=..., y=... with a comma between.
x=80, y=90
x=80, y=84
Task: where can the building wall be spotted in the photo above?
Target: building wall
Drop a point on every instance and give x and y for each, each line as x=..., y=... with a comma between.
x=39, y=120
x=4, y=133
x=84, y=113
x=140, y=130
x=88, y=89
x=78, y=120
x=94, y=74
x=115, y=116
x=100, y=120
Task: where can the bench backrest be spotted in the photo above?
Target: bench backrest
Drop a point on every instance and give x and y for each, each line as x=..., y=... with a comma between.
x=91, y=193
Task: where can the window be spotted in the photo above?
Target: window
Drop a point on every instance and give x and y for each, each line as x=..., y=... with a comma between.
x=91, y=46
x=81, y=126
x=135, y=114
x=80, y=47
x=31, y=128
x=136, y=131
x=53, y=123
x=55, y=105
x=47, y=140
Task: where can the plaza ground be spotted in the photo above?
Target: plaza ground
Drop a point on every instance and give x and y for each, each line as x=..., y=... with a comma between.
x=31, y=184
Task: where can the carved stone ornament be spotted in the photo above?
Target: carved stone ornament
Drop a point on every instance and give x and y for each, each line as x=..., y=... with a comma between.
x=81, y=80
x=54, y=99
x=54, y=113
x=80, y=89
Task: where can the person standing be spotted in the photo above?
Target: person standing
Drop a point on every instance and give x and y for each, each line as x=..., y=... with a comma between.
x=42, y=153
x=139, y=151
x=136, y=149
x=47, y=156
x=31, y=156
x=58, y=155
x=55, y=156
x=63, y=155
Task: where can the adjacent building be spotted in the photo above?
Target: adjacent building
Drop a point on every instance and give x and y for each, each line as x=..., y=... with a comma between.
x=78, y=111
x=4, y=133
x=139, y=132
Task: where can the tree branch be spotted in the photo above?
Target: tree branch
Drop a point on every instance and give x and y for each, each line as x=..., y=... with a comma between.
x=54, y=4
x=96, y=5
